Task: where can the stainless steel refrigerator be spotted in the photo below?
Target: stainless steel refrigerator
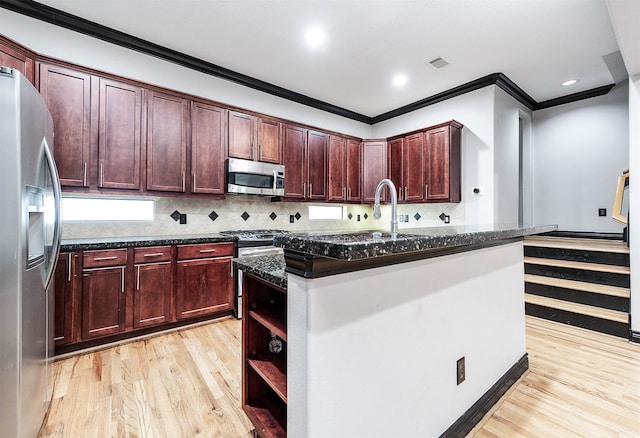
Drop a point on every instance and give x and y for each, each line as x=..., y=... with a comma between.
x=29, y=243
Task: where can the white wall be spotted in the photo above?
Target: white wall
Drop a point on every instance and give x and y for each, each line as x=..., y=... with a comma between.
x=506, y=156
x=634, y=199
x=579, y=150
x=475, y=111
x=60, y=43
x=400, y=379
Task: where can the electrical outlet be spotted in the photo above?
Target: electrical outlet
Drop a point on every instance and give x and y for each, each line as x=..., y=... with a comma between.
x=358, y=218
x=183, y=218
x=602, y=212
x=406, y=218
x=460, y=371
x=447, y=219
x=292, y=218
x=401, y=218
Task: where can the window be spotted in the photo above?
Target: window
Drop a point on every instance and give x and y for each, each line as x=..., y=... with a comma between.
x=327, y=212
x=100, y=209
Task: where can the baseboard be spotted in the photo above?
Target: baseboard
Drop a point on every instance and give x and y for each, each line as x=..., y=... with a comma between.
x=634, y=337
x=475, y=413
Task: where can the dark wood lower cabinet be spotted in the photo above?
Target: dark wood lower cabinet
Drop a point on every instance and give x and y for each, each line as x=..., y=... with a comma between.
x=152, y=295
x=63, y=299
x=103, y=301
x=204, y=287
x=264, y=356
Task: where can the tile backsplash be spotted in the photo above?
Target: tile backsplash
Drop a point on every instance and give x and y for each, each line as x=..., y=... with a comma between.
x=238, y=212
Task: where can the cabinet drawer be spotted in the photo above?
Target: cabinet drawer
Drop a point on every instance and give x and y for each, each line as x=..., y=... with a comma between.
x=205, y=250
x=106, y=257
x=152, y=254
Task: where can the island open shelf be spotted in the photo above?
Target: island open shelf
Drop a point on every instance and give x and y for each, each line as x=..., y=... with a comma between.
x=264, y=356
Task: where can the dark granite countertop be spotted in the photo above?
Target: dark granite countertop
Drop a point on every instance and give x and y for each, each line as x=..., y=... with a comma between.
x=123, y=242
x=364, y=244
x=268, y=267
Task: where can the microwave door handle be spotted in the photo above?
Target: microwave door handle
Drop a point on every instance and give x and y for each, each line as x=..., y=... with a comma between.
x=275, y=179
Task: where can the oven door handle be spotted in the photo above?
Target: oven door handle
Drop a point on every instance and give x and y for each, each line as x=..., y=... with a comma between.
x=248, y=252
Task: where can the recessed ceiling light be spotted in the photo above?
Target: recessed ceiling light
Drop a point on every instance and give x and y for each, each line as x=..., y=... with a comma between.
x=570, y=82
x=315, y=36
x=400, y=80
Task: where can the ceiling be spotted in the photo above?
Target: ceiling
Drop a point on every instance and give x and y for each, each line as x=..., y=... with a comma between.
x=538, y=44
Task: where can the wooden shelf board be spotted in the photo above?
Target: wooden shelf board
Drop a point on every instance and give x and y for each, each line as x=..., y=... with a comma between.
x=582, y=309
x=596, y=267
x=272, y=376
x=602, y=245
x=265, y=423
x=595, y=288
x=271, y=322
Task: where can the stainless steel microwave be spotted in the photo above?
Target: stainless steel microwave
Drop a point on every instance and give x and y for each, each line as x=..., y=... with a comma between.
x=254, y=177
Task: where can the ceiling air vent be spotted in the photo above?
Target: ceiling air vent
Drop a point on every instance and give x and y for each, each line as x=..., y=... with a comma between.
x=438, y=63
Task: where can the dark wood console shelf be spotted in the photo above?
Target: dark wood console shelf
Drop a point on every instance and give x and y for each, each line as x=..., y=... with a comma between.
x=264, y=356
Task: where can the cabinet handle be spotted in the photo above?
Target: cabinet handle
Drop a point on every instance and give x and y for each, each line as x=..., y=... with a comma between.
x=304, y=190
x=122, y=282
x=183, y=181
x=69, y=270
x=138, y=279
x=97, y=259
x=101, y=175
x=84, y=173
x=310, y=190
x=231, y=270
x=207, y=250
x=405, y=192
x=153, y=254
x=349, y=193
x=344, y=193
x=193, y=189
x=426, y=191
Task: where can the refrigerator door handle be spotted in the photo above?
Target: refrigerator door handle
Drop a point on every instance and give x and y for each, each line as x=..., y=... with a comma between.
x=57, y=225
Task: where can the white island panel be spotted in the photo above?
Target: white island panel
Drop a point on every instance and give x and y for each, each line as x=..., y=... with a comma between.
x=373, y=352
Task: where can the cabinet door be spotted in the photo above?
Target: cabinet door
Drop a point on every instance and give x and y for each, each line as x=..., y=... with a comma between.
x=103, y=301
x=207, y=149
x=240, y=135
x=337, y=189
x=269, y=144
x=414, y=189
x=354, y=170
x=396, y=165
x=317, y=145
x=295, y=181
x=152, y=296
x=16, y=59
x=374, y=168
x=166, y=142
x=63, y=313
x=119, y=135
x=204, y=286
x=67, y=94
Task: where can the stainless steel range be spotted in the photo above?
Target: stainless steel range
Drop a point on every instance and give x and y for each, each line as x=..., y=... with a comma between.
x=252, y=243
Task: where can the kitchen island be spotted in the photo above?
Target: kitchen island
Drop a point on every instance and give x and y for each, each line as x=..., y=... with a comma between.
x=377, y=326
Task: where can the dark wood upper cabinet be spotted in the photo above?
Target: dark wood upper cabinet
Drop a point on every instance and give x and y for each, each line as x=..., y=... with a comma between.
x=14, y=57
x=374, y=168
x=443, y=162
x=67, y=94
x=119, y=135
x=166, y=142
x=337, y=155
x=354, y=170
x=269, y=141
x=207, y=149
x=317, y=145
x=294, y=160
x=241, y=127
x=413, y=178
x=396, y=165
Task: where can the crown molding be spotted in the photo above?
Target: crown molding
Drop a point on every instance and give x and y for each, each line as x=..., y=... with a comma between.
x=90, y=28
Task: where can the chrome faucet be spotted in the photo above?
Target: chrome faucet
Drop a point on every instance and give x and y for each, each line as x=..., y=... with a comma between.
x=394, y=205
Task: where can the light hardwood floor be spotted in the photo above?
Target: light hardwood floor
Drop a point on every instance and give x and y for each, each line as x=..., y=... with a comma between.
x=187, y=384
